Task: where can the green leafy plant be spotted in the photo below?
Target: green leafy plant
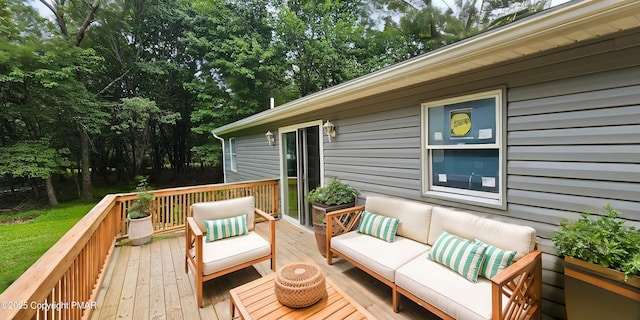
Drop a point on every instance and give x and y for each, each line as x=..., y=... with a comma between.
x=335, y=193
x=606, y=241
x=142, y=207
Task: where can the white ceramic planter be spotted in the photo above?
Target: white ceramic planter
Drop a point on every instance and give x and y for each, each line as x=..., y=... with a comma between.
x=140, y=230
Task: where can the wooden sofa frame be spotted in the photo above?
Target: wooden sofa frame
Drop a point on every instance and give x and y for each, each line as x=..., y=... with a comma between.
x=521, y=282
x=194, y=237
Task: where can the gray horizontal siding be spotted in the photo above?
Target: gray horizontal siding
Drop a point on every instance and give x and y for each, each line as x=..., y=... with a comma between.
x=602, y=98
x=612, y=135
x=378, y=152
x=576, y=153
x=596, y=189
x=625, y=172
x=579, y=119
x=256, y=159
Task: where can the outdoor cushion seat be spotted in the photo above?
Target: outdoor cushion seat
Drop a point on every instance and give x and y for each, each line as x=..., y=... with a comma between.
x=231, y=246
x=459, y=299
x=375, y=254
x=226, y=253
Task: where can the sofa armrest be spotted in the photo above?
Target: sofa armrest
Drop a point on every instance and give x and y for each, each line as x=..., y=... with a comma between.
x=521, y=283
x=339, y=222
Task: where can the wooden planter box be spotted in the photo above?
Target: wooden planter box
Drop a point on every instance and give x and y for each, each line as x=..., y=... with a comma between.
x=595, y=292
x=318, y=214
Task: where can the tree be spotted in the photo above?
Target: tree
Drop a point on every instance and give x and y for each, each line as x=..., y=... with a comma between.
x=34, y=160
x=321, y=42
x=83, y=15
x=136, y=118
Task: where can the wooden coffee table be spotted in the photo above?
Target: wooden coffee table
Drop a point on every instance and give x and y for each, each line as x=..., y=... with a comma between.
x=257, y=300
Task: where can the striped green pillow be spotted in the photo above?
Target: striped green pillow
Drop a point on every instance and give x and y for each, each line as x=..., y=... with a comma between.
x=495, y=260
x=378, y=226
x=460, y=255
x=226, y=228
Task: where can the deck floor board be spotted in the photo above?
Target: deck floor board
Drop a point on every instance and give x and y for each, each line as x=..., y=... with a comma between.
x=149, y=281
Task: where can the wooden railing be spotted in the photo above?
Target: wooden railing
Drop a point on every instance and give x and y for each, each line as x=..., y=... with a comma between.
x=64, y=282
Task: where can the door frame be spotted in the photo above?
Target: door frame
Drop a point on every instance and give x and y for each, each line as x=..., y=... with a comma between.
x=283, y=161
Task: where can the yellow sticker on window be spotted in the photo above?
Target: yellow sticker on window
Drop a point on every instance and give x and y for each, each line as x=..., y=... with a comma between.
x=460, y=122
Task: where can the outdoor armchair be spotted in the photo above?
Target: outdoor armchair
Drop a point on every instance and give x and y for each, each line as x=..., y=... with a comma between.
x=221, y=238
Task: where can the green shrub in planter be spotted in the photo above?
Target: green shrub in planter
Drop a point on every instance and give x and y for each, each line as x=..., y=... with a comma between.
x=606, y=241
x=335, y=193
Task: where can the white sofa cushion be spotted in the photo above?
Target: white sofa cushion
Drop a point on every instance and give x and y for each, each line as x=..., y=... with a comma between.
x=445, y=289
x=506, y=236
x=414, y=216
x=225, y=253
x=224, y=209
x=376, y=254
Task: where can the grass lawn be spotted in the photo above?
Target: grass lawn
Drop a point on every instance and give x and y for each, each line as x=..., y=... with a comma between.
x=22, y=243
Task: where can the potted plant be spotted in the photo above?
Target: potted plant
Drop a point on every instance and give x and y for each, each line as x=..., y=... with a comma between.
x=334, y=196
x=601, y=267
x=139, y=216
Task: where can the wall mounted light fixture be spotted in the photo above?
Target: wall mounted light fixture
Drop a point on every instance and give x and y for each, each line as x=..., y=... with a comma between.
x=329, y=129
x=271, y=140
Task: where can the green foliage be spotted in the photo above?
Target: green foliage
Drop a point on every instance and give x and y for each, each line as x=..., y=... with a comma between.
x=21, y=244
x=606, y=241
x=144, y=201
x=32, y=159
x=335, y=193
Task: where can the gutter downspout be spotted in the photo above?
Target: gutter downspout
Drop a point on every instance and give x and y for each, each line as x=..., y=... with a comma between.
x=224, y=166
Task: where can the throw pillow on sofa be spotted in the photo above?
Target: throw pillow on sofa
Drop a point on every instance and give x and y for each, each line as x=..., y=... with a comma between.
x=378, y=226
x=495, y=260
x=226, y=228
x=458, y=254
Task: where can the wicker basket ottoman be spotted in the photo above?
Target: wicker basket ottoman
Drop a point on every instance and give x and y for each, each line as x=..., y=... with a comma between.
x=300, y=285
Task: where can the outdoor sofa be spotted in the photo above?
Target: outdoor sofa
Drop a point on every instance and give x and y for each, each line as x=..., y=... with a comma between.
x=447, y=288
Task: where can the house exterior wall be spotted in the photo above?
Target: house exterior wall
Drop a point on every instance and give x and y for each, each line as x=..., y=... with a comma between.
x=572, y=141
x=256, y=159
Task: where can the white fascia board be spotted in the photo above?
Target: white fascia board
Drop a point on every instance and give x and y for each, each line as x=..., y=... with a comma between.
x=565, y=19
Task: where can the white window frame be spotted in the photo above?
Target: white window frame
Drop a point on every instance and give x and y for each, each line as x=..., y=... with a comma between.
x=475, y=197
x=233, y=154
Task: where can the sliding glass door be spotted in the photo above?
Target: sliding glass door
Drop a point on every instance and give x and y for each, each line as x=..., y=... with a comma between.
x=301, y=154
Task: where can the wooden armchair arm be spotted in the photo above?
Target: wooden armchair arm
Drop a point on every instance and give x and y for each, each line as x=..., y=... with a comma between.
x=339, y=222
x=194, y=239
x=521, y=283
x=193, y=227
x=272, y=234
x=265, y=215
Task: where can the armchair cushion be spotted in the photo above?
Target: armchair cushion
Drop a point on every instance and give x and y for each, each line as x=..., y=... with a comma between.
x=378, y=226
x=225, y=253
x=226, y=228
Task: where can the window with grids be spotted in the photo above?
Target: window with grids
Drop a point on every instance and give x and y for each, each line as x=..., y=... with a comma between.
x=463, y=152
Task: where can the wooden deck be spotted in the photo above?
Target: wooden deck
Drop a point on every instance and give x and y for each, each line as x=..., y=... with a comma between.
x=149, y=281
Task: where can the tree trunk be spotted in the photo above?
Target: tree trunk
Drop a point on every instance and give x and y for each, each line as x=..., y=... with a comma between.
x=51, y=192
x=85, y=167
